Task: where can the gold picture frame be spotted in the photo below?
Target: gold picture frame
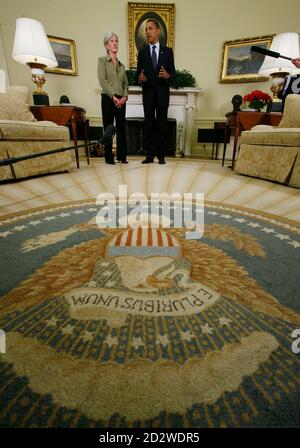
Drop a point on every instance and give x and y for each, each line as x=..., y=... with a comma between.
x=239, y=64
x=65, y=52
x=138, y=13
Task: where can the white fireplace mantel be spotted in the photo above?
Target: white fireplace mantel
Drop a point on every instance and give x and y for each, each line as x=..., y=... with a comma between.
x=182, y=106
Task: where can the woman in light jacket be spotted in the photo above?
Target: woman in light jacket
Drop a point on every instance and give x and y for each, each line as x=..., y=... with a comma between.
x=114, y=84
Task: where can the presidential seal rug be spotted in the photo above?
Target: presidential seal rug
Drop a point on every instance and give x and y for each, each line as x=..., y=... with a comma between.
x=123, y=327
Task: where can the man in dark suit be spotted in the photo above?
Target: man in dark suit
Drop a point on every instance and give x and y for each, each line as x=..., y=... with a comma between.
x=155, y=70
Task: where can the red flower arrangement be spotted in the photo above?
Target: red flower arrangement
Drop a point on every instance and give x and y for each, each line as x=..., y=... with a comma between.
x=257, y=99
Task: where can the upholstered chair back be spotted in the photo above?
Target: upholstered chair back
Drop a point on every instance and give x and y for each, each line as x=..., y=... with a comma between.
x=14, y=104
x=291, y=113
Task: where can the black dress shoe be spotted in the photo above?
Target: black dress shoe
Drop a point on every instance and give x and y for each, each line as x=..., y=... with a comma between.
x=124, y=161
x=110, y=162
x=147, y=161
x=162, y=162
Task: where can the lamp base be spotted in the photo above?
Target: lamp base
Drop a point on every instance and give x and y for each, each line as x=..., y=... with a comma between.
x=40, y=99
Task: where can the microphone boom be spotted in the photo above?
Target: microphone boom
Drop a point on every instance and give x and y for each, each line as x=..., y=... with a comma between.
x=272, y=54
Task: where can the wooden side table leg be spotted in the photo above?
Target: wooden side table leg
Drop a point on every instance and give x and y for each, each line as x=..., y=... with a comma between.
x=217, y=151
x=225, y=145
x=74, y=129
x=236, y=136
x=87, y=141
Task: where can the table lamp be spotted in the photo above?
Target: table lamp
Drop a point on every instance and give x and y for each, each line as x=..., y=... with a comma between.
x=32, y=47
x=286, y=44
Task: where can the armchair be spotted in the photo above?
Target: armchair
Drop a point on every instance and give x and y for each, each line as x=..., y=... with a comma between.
x=273, y=152
x=21, y=134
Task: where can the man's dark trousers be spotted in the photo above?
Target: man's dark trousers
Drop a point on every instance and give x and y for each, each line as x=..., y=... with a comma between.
x=155, y=127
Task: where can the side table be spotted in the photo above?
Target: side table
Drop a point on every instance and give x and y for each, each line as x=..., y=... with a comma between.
x=244, y=121
x=72, y=116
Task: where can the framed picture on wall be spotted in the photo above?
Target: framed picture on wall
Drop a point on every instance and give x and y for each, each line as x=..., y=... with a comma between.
x=239, y=63
x=138, y=14
x=65, y=53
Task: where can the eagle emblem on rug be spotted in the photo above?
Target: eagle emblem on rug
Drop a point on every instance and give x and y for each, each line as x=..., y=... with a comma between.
x=147, y=328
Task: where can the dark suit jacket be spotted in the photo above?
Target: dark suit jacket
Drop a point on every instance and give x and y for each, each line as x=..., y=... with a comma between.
x=155, y=84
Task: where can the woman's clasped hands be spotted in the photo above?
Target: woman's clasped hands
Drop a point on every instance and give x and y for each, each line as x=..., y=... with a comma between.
x=119, y=102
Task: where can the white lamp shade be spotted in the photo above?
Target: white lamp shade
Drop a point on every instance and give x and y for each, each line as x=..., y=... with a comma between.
x=287, y=44
x=31, y=44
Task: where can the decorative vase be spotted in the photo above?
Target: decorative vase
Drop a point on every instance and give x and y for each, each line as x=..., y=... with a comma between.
x=257, y=105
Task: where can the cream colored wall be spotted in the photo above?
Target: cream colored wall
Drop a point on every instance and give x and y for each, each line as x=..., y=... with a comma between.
x=201, y=27
x=4, y=76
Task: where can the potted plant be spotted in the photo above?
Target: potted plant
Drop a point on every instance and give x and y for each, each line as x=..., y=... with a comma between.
x=182, y=79
x=131, y=76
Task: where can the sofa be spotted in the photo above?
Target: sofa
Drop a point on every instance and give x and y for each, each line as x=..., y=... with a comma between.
x=273, y=152
x=21, y=134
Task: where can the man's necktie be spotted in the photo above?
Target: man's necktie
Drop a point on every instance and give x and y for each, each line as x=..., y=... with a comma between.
x=154, y=57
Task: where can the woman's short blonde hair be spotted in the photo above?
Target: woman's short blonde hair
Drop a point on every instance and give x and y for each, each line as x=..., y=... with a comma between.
x=107, y=37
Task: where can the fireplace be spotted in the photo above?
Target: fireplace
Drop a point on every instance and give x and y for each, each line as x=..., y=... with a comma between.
x=134, y=136
x=181, y=108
